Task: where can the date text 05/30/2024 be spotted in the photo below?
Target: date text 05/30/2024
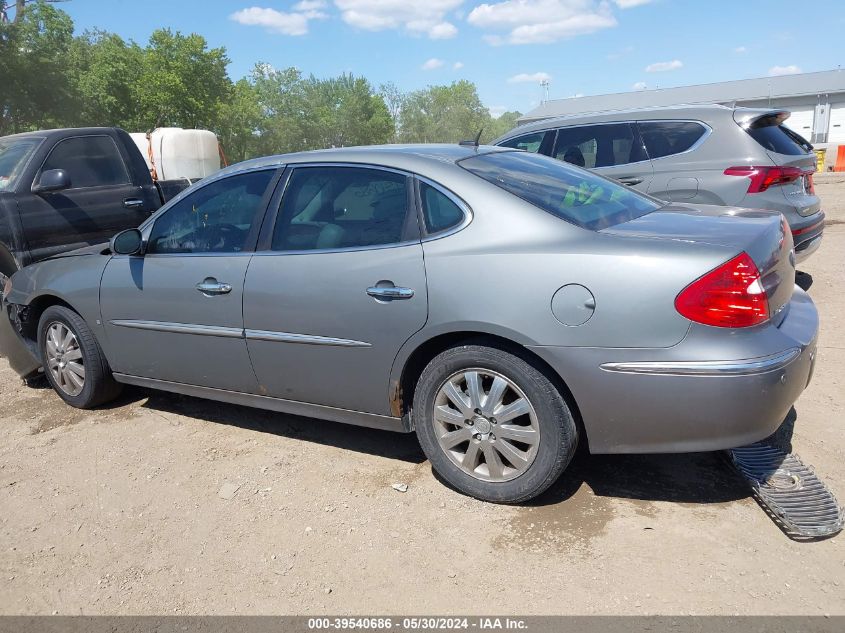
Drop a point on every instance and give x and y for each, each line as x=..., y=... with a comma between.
x=417, y=624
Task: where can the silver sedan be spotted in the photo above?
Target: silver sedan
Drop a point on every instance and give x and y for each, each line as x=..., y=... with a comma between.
x=502, y=305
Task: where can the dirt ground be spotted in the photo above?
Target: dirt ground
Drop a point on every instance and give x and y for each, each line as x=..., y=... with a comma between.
x=165, y=504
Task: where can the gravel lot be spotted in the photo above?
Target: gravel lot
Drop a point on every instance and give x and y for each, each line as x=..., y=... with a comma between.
x=168, y=504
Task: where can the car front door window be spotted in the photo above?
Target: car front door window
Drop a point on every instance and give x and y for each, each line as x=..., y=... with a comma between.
x=217, y=218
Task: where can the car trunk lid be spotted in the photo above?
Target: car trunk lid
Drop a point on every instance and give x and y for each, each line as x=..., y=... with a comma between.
x=763, y=235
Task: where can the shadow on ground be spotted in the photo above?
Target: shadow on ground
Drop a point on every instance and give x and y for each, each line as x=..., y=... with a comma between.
x=399, y=446
x=699, y=478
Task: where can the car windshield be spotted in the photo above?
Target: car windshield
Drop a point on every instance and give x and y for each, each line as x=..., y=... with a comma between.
x=570, y=193
x=13, y=156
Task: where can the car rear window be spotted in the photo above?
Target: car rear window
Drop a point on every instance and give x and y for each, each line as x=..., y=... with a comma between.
x=776, y=138
x=665, y=138
x=570, y=193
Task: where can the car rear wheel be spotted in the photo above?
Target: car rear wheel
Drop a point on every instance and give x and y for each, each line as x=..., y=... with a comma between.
x=492, y=425
x=73, y=361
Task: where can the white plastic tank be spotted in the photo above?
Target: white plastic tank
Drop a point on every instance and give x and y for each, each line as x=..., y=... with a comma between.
x=173, y=152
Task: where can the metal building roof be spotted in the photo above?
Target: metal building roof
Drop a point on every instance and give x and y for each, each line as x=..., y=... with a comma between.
x=801, y=85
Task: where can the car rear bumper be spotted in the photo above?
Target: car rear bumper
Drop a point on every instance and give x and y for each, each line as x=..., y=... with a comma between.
x=21, y=356
x=680, y=400
x=807, y=235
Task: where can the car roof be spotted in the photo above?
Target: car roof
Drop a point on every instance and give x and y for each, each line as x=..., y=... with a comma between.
x=704, y=112
x=414, y=158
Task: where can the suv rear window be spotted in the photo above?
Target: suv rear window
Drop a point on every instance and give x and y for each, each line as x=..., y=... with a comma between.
x=572, y=194
x=776, y=138
x=665, y=138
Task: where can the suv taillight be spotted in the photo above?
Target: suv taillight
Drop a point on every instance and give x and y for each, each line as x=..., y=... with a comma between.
x=761, y=178
x=731, y=295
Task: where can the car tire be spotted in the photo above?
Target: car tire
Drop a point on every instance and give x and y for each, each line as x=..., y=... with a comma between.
x=63, y=358
x=545, y=436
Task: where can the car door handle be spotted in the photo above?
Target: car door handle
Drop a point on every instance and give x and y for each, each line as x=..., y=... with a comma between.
x=390, y=292
x=133, y=203
x=631, y=181
x=210, y=287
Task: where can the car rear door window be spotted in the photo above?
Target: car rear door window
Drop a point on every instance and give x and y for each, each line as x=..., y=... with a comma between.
x=90, y=161
x=216, y=218
x=341, y=207
x=665, y=138
x=605, y=145
x=575, y=195
x=440, y=212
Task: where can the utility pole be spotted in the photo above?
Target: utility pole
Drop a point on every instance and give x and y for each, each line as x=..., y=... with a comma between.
x=544, y=85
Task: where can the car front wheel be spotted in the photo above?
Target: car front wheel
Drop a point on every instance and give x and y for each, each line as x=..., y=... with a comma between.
x=493, y=425
x=73, y=360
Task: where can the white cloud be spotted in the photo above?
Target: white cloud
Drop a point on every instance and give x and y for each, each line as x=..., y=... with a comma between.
x=523, y=78
x=662, y=67
x=458, y=65
x=640, y=85
x=280, y=22
x=777, y=71
x=541, y=21
x=419, y=18
x=630, y=4
x=310, y=5
x=433, y=64
x=443, y=31
x=740, y=49
x=497, y=111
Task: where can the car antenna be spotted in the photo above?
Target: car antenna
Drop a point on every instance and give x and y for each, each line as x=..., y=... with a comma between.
x=474, y=142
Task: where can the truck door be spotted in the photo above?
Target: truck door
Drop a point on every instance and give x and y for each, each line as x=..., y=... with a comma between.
x=101, y=200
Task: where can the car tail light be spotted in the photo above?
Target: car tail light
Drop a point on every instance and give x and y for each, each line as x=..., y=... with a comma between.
x=731, y=295
x=764, y=177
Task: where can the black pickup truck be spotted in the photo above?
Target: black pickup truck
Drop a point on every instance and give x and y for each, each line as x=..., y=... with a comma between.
x=66, y=189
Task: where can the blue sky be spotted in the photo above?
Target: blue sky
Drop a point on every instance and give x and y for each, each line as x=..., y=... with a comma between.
x=505, y=46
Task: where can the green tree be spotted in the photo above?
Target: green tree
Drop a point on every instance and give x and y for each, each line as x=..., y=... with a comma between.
x=393, y=98
x=497, y=127
x=344, y=111
x=443, y=114
x=240, y=122
x=36, y=91
x=281, y=98
x=183, y=83
x=106, y=73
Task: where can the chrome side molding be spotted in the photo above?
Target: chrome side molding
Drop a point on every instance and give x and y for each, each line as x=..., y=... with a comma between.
x=708, y=368
x=303, y=339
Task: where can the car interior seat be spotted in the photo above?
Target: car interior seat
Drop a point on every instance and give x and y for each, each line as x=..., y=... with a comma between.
x=575, y=156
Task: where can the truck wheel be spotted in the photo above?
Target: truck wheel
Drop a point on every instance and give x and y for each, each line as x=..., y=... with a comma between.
x=74, y=364
x=492, y=425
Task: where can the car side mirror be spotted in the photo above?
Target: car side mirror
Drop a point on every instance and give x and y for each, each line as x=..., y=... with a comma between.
x=128, y=242
x=52, y=180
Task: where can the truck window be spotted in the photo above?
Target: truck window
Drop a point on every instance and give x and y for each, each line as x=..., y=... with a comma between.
x=14, y=154
x=91, y=161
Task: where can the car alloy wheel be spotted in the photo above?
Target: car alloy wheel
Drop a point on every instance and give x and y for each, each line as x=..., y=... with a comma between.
x=64, y=359
x=486, y=425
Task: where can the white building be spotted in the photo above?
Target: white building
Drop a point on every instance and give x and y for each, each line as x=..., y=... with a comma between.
x=816, y=100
